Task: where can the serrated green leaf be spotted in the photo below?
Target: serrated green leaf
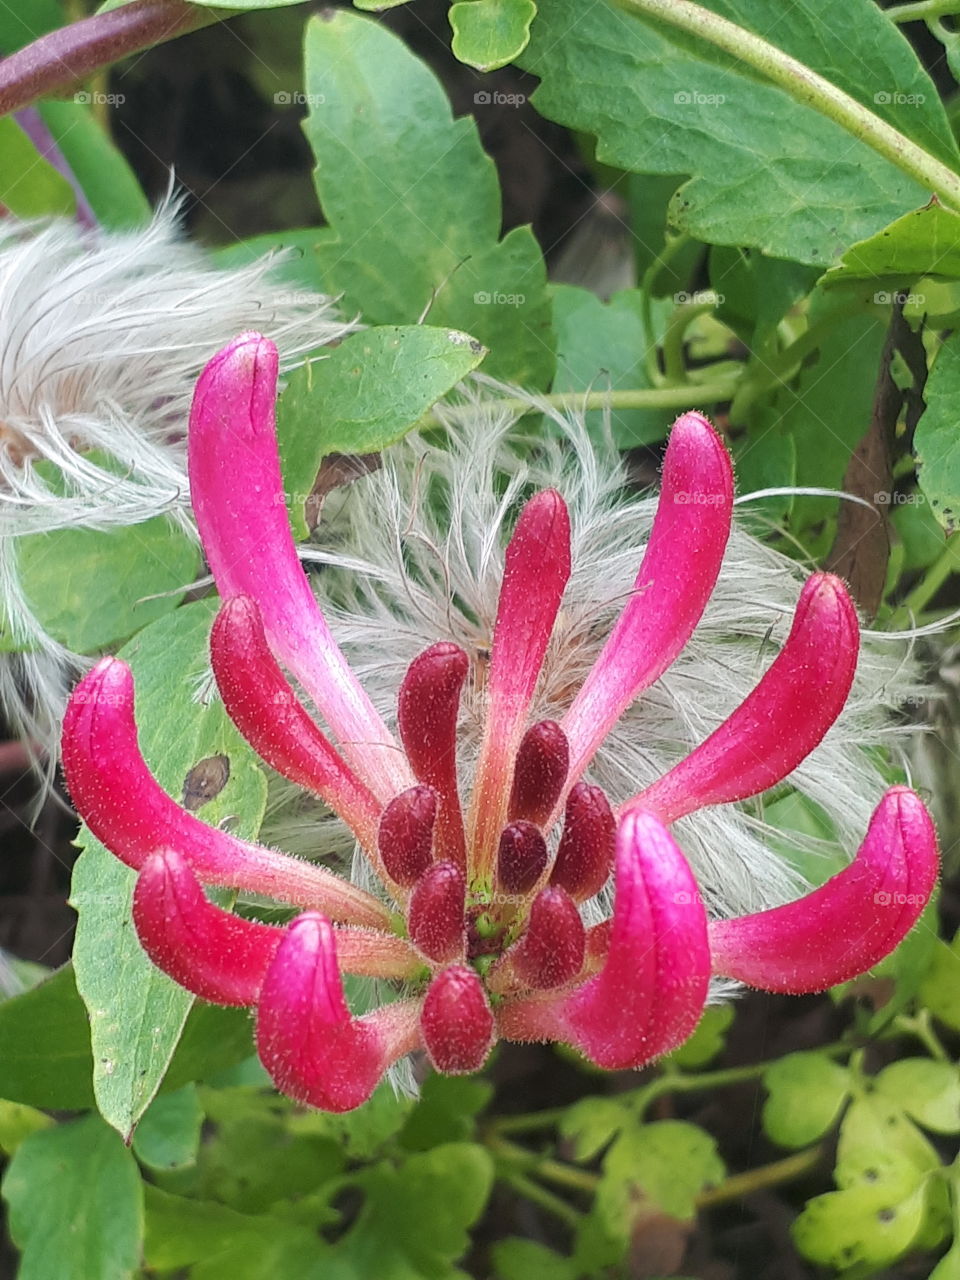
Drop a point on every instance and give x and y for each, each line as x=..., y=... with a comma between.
x=516, y=1259
x=601, y=346
x=366, y=394
x=30, y=187
x=490, y=33
x=924, y=242
x=76, y=1204
x=90, y=588
x=661, y=102
x=168, y=1134
x=805, y=1093
x=863, y=1226
x=136, y=1012
x=940, y=988
x=445, y=1111
x=363, y=1132
x=927, y=1091
x=668, y=1162
x=879, y=1146
x=414, y=203
x=101, y=169
x=46, y=1059
x=937, y=438
x=591, y=1123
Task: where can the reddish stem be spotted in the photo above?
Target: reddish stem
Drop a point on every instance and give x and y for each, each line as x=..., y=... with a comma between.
x=60, y=59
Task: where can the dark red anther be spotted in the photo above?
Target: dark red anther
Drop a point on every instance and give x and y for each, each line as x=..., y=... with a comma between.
x=521, y=858
x=427, y=711
x=585, y=855
x=539, y=773
x=551, y=951
x=405, y=837
x=457, y=1021
x=436, y=915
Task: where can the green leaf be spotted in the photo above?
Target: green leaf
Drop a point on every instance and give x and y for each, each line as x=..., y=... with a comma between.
x=22, y=24
x=414, y=203
x=661, y=102
x=924, y=242
x=879, y=1145
x=106, y=178
x=136, y=1012
x=865, y=1226
x=18, y=1122
x=516, y=1259
x=445, y=1111
x=46, y=1059
x=928, y=1091
x=76, y=1204
x=948, y=1268
x=708, y=1039
x=90, y=588
x=806, y=1092
x=168, y=1134
x=668, y=1162
x=601, y=346
x=592, y=1123
x=940, y=988
x=30, y=187
x=366, y=394
x=937, y=438
x=363, y=1132
x=490, y=33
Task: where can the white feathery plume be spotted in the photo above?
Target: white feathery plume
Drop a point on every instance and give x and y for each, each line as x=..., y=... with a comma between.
x=102, y=337
x=413, y=554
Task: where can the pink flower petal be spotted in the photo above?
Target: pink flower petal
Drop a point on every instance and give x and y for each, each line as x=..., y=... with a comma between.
x=261, y=703
x=781, y=721
x=456, y=1021
x=238, y=498
x=539, y=773
x=678, y=574
x=535, y=576
x=850, y=923
x=427, y=711
x=124, y=806
x=314, y=1050
x=650, y=992
x=218, y=956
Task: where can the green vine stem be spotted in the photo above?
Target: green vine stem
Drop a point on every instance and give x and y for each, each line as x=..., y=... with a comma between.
x=768, y=1175
x=920, y=1027
x=674, y=364
x=689, y=395
x=947, y=563
x=64, y=57
x=925, y=9
x=807, y=87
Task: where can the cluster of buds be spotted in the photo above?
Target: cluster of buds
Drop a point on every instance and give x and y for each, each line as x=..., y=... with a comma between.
x=480, y=925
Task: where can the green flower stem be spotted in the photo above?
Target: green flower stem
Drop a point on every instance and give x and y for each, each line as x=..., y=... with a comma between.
x=920, y=1026
x=564, y=1175
x=947, y=563
x=530, y=1121
x=925, y=9
x=663, y=259
x=674, y=365
x=768, y=1175
x=807, y=87
x=64, y=57
x=690, y=395
x=530, y=1190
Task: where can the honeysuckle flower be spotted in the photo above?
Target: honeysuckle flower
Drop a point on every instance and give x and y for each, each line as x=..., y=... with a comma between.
x=494, y=813
x=102, y=336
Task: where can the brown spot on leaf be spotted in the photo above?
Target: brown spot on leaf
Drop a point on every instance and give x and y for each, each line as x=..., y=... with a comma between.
x=205, y=780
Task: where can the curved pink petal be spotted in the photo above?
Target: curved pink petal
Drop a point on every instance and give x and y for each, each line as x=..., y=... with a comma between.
x=650, y=992
x=848, y=924
x=126, y=808
x=535, y=575
x=216, y=955
x=781, y=721
x=427, y=710
x=263, y=706
x=456, y=1021
x=238, y=498
x=677, y=575
x=314, y=1050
